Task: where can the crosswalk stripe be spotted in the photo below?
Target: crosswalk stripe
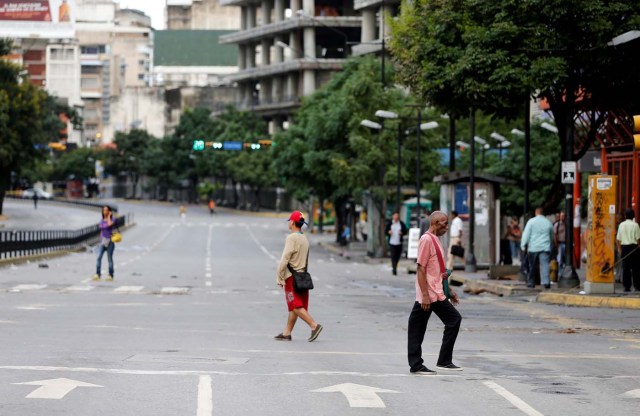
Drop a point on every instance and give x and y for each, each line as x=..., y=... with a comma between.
x=77, y=288
x=28, y=287
x=169, y=290
x=128, y=289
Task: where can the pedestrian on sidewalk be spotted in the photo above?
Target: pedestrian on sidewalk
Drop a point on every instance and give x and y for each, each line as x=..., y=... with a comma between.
x=35, y=199
x=395, y=230
x=183, y=214
x=106, y=245
x=212, y=206
x=628, y=242
x=430, y=297
x=295, y=257
x=514, y=235
x=537, y=242
x=559, y=237
x=455, y=238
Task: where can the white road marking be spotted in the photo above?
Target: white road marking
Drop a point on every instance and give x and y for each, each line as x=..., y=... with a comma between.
x=28, y=287
x=263, y=248
x=55, y=388
x=512, y=398
x=205, y=397
x=208, y=284
x=128, y=289
x=358, y=395
x=170, y=290
x=31, y=308
x=207, y=275
x=78, y=288
x=634, y=394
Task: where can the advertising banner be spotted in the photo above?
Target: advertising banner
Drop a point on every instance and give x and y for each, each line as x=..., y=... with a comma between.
x=37, y=18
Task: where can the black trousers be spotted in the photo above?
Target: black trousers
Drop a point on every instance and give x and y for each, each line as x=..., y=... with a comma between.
x=418, y=320
x=396, y=252
x=631, y=267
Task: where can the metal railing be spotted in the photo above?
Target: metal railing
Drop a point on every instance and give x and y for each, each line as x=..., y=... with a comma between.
x=15, y=244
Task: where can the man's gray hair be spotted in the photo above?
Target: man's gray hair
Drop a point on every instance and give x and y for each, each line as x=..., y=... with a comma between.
x=435, y=215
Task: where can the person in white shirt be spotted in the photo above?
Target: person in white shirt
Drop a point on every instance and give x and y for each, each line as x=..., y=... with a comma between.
x=455, y=237
x=396, y=230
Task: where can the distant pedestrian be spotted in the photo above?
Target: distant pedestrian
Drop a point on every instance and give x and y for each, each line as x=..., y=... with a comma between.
x=537, y=241
x=559, y=237
x=361, y=226
x=395, y=230
x=35, y=199
x=455, y=238
x=345, y=236
x=295, y=257
x=183, y=214
x=430, y=297
x=514, y=235
x=628, y=242
x=106, y=245
x=212, y=206
x=425, y=223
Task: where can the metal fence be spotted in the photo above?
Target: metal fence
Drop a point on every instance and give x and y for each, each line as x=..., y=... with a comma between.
x=15, y=244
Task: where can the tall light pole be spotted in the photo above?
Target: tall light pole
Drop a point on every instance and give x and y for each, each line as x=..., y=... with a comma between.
x=390, y=115
x=421, y=126
x=483, y=147
x=470, y=265
x=502, y=141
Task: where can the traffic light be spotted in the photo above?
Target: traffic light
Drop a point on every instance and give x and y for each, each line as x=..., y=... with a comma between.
x=198, y=145
x=636, y=130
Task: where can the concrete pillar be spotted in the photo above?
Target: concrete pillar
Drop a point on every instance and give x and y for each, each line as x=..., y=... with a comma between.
x=276, y=89
x=265, y=46
x=309, y=7
x=265, y=12
x=265, y=91
x=279, y=11
x=243, y=18
x=278, y=53
x=250, y=56
x=294, y=45
x=309, y=42
x=295, y=6
x=292, y=85
x=251, y=16
x=368, y=33
x=385, y=11
x=309, y=82
x=242, y=57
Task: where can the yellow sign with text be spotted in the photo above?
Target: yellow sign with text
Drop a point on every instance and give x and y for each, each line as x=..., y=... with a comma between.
x=601, y=228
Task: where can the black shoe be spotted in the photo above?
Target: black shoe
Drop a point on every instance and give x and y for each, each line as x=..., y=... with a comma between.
x=395, y=273
x=281, y=337
x=315, y=333
x=424, y=371
x=530, y=286
x=627, y=290
x=547, y=286
x=450, y=367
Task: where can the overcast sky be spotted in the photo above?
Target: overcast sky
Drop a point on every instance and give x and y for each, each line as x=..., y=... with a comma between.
x=152, y=8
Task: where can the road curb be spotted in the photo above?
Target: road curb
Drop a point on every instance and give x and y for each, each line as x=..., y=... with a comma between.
x=495, y=288
x=589, y=301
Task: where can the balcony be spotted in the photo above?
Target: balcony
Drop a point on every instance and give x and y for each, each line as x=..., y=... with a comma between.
x=287, y=25
x=293, y=65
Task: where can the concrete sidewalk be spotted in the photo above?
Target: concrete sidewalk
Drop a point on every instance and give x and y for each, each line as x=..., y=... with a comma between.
x=508, y=285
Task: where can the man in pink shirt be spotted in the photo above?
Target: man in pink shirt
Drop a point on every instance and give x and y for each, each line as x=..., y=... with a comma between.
x=430, y=297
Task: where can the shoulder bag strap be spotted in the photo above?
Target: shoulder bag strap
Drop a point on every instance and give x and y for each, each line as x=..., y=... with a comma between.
x=438, y=252
x=306, y=263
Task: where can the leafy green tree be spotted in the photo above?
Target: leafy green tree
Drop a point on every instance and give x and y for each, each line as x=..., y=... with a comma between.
x=27, y=121
x=463, y=55
x=127, y=159
x=78, y=163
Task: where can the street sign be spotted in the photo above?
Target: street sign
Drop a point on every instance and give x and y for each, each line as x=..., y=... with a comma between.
x=55, y=388
x=413, y=242
x=358, y=395
x=232, y=145
x=568, y=173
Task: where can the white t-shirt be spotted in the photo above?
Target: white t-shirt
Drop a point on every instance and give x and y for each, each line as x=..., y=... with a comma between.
x=396, y=230
x=456, y=228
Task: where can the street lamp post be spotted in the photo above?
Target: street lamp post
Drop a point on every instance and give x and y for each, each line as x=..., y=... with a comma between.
x=390, y=115
x=483, y=143
x=502, y=142
x=421, y=126
x=470, y=265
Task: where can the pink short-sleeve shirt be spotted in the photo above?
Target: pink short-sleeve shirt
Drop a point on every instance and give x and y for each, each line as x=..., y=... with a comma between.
x=428, y=258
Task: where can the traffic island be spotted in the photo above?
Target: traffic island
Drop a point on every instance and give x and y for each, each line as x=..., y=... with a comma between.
x=617, y=301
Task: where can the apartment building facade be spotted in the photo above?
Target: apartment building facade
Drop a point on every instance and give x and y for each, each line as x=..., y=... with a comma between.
x=287, y=49
x=200, y=15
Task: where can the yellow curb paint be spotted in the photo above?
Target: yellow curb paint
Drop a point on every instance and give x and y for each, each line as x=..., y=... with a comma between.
x=590, y=301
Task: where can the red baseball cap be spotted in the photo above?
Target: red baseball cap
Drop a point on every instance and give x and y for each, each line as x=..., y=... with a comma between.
x=297, y=216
